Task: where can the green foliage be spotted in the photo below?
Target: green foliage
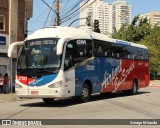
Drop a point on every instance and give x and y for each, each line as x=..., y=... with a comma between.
x=140, y=31
x=152, y=41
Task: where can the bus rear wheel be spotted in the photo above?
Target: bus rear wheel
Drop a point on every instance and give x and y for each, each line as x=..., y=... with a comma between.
x=86, y=93
x=134, y=88
x=48, y=100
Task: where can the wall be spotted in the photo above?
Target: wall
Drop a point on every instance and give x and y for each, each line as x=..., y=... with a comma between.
x=4, y=6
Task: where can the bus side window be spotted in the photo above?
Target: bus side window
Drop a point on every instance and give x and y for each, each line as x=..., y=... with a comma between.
x=117, y=51
x=140, y=54
x=102, y=49
x=131, y=52
x=83, y=50
x=146, y=54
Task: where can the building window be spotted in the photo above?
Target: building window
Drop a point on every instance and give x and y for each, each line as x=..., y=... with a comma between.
x=2, y=23
x=156, y=15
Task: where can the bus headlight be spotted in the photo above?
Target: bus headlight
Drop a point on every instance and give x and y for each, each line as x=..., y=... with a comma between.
x=18, y=86
x=56, y=85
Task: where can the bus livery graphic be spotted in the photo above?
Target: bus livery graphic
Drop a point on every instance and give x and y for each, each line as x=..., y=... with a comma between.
x=117, y=77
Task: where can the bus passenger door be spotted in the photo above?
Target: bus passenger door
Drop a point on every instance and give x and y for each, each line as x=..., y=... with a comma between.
x=69, y=83
x=69, y=74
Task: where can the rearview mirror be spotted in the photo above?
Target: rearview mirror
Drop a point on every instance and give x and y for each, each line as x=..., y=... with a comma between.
x=11, y=47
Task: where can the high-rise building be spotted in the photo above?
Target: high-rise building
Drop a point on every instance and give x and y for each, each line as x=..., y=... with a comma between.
x=121, y=14
x=99, y=10
x=110, y=15
x=14, y=15
x=153, y=18
x=107, y=19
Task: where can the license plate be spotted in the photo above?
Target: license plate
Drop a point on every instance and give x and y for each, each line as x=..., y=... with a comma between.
x=34, y=92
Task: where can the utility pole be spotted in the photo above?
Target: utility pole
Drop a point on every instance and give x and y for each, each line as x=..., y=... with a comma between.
x=57, y=13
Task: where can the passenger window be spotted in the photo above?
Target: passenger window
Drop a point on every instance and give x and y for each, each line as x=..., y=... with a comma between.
x=142, y=54
x=102, y=48
x=131, y=52
x=83, y=50
x=146, y=54
x=118, y=51
x=77, y=51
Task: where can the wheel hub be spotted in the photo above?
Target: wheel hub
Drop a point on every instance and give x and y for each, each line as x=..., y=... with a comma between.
x=85, y=92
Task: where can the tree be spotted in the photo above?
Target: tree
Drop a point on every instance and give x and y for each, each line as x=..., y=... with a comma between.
x=152, y=41
x=137, y=30
x=140, y=31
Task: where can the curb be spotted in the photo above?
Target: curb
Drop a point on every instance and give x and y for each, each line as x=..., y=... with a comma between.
x=155, y=85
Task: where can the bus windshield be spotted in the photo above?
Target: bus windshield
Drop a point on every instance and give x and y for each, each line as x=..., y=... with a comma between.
x=39, y=56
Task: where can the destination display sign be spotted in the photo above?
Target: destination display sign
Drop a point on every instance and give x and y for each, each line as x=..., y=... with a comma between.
x=42, y=42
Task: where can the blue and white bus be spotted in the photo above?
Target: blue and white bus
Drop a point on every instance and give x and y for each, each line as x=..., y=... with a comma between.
x=61, y=62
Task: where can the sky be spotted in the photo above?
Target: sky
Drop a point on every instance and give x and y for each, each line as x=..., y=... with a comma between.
x=41, y=11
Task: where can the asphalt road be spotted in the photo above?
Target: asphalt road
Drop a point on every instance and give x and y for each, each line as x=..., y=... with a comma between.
x=144, y=105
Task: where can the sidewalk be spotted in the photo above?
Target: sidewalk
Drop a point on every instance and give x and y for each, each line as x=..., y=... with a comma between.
x=154, y=83
x=8, y=97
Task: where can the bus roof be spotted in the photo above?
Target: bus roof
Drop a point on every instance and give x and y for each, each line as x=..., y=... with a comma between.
x=103, y=37
x=75, y=33
x=60, y=32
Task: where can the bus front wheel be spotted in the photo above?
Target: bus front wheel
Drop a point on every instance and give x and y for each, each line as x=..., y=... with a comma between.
x=86, y=93
x=48, y=100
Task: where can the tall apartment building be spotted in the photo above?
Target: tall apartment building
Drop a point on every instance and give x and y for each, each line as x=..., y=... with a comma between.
x=14, y=15
x=109, y=14
x=153, y=18
x=98, y=10
x=121, y=14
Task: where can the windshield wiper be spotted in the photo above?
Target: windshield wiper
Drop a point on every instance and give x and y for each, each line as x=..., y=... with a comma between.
x=36, y=73
x=46, y=71
x=49, y=71
x=24, y=72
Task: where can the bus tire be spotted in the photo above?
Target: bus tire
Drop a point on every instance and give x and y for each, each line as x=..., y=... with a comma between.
x=86, y=93
x=48, y=100
x=134, y=88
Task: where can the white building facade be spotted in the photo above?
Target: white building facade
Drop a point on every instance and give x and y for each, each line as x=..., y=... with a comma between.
x=121, y=14
x=107, y=13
